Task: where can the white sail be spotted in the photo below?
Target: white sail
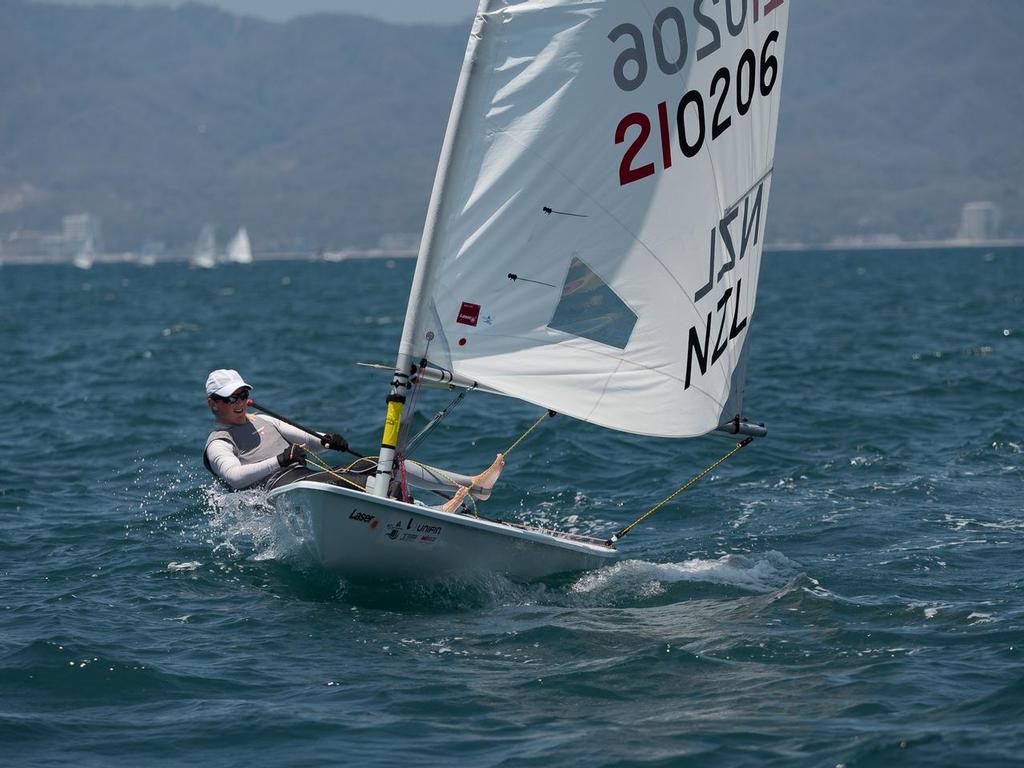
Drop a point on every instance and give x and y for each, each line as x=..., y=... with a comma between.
x=151, y=250
x=594, y=238
x=205, y=253
x=86, y=254
x=239, y=249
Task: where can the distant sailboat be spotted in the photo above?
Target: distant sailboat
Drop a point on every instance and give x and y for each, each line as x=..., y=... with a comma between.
x=205, y=254
x=86, y=254
x=150, y=250
x=239, y=250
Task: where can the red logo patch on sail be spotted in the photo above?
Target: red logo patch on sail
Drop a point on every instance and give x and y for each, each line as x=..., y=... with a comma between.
x=469, y=313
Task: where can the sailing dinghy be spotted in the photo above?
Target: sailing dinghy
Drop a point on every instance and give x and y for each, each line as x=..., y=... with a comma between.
x=239, y=249
x=204, y=255
x=86, y=254
x=592, y=246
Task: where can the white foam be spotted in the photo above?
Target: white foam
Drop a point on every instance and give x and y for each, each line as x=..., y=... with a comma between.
x=559, y=513
x=761, y=573
x=930, y=610
x=189, y=566
x=245, y=525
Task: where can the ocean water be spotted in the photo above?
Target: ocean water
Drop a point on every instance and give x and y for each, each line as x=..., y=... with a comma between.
x=846, y=591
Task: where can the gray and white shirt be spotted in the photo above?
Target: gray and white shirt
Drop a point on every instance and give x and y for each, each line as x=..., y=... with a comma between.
x=245, y=455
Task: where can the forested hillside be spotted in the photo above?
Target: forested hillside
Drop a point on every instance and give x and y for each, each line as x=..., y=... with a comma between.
x=324, y=131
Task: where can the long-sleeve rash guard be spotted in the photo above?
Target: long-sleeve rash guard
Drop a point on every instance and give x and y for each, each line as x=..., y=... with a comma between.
x=226, y=464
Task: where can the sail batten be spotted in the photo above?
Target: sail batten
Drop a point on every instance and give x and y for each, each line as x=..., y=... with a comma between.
x=635, y=309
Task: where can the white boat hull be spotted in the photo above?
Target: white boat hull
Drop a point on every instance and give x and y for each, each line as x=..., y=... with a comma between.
x=360, y=536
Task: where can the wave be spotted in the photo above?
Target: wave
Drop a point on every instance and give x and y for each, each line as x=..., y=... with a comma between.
x=245, y=525
x=48, y=667
x=641, y=579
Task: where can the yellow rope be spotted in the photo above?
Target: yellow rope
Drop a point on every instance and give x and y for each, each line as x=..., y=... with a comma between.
x=523, y=436
x=450, y=479
x=323, y=466
x=316, y=461
x=739, y=446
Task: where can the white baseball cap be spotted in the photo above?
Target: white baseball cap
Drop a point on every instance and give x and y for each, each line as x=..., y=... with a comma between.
x=224, y=382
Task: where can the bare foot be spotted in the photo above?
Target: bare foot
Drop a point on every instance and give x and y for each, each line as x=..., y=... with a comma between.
x=452, y=504
x=484, y=482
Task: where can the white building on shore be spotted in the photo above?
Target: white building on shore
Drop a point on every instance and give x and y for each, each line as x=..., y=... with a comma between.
x=979, y=221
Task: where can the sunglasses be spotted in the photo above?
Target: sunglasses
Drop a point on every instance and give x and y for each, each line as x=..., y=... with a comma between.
x=243, y=395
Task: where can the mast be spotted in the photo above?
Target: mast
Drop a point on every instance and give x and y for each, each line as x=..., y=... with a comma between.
x=419, y=294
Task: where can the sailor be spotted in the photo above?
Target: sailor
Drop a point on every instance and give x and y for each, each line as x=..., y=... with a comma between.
x=245, y=450
x=248, y=450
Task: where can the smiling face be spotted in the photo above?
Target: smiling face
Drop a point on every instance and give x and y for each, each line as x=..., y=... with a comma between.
x=227, y=412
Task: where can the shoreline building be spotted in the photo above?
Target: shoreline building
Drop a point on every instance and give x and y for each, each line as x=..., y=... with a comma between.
x=79, y=230
x=979, y=221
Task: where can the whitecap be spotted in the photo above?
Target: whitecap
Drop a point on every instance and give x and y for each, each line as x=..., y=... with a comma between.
x=763, y=573
x=930, y=610
x=189, y=566
x=243, y=524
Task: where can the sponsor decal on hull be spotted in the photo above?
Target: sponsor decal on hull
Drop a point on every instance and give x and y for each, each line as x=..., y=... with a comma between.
x=411, y=531
x=362, y=517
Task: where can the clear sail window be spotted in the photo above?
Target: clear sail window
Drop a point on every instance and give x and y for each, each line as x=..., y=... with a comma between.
x=589, y=308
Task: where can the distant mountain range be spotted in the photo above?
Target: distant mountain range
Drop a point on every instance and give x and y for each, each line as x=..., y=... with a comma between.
x=324, y=131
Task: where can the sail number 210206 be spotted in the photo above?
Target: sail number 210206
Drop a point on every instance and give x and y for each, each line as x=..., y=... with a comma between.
x=754, y=72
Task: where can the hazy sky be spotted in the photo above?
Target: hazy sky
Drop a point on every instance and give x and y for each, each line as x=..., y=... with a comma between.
x=409, y=11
